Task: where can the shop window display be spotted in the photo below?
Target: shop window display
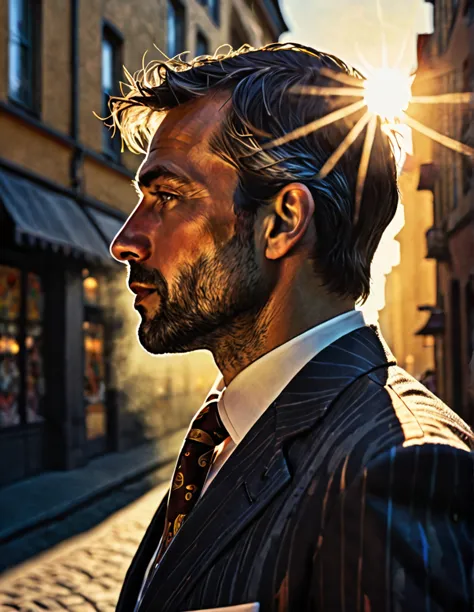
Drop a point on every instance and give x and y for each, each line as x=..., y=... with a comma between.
x=21, y=331
x=34, y=335
x=94, y=360
x=91, y=289
x=10, y=297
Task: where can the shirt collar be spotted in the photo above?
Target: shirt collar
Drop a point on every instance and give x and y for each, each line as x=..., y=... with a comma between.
x=250, y=393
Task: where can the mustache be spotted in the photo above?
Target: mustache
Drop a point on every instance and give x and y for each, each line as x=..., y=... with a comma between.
x=140, y=274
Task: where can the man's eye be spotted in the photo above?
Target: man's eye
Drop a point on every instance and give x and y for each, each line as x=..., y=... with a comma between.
x=164, y=196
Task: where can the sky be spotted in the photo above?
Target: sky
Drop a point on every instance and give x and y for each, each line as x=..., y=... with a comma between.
x=354, y=30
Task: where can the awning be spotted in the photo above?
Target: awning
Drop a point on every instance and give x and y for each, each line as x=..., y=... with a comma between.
x=434, y=326
x=108, y=226
x=45, y=218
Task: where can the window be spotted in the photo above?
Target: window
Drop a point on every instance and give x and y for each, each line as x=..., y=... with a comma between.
x=111, y=62
x=176, y=43
x=202, y=46
x=94, y=357
x=469, y=11
x=238, y=36
x=24, y=52
x=22, y=387
x=213, y=7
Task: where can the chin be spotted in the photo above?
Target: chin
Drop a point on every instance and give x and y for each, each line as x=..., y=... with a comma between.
x=151, y=340
x=156, y=341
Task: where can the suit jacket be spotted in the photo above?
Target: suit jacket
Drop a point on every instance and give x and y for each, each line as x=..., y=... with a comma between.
x=353, y=491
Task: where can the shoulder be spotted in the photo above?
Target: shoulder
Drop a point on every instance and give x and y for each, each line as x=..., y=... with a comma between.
x=390, y=408
x=428, y=473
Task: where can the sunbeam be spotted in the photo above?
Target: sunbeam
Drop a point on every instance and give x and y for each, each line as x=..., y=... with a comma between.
x=346, y=79
x=345, y=144
x=446, y=141
x=364, y=164
x=401, y=53
x=465, y=97
x=384, y=93
x=314, y=90
x=304, y=130
x=382, y=32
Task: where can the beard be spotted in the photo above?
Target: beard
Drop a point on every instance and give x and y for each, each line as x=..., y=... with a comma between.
x=212, y=299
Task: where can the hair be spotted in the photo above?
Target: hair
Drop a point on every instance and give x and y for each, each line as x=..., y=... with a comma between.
x=263, y=109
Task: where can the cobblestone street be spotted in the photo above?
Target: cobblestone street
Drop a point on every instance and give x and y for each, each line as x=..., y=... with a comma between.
x=83, y=574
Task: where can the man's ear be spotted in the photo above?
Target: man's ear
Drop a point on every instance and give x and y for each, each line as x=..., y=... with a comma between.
x=288, y=220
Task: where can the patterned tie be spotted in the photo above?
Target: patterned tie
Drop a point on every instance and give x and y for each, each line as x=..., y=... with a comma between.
x=194, y=462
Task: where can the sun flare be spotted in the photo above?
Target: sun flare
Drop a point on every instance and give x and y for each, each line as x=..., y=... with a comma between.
x=388, y=92
x=385, y=93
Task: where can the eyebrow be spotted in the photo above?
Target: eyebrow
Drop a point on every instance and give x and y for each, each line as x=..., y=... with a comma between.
x=144, y=181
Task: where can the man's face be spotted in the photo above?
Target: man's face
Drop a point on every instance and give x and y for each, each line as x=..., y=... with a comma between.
x=192, y=263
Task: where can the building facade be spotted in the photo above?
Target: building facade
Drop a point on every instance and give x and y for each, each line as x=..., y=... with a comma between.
x=446, y=65
x=69, y=374
x=413, y=280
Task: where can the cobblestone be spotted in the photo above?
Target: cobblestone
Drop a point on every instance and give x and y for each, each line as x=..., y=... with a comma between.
x=84, y=574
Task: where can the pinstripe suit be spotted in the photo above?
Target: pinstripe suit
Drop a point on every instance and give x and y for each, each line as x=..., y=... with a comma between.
x=353, y=491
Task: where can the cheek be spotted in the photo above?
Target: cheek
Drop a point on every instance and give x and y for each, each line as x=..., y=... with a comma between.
x=178, y=244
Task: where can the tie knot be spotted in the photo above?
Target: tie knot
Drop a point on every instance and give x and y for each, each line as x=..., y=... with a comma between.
x=207, y=427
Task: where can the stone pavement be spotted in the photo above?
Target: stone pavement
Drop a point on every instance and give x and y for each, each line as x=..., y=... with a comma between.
x=85, y=573
x=40, y=512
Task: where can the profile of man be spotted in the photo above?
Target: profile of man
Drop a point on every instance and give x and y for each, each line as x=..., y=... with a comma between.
x=329, y=478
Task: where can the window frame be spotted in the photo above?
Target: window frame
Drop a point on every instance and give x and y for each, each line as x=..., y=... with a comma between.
x=35, y=47
x=180, y=11
x=214, y=11
x=111, y=34
x=200, y=35
x=98, y=314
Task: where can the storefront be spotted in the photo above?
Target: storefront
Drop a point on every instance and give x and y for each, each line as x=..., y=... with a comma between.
x=55, y=404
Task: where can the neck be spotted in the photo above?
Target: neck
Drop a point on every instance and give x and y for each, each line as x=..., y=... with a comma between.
x=288, y=313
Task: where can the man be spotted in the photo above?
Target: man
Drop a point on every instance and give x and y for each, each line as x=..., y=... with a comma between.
x=318, y=475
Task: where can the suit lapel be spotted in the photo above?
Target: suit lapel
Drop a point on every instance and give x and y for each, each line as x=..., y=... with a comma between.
x=246, y=484
x=306, y=399
x=136, y=572
x=257, y=470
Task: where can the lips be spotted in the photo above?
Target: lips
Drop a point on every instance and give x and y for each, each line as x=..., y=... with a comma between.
x=142, y=292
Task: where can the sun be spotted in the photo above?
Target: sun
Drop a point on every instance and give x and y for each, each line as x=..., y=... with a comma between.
x=388, y=93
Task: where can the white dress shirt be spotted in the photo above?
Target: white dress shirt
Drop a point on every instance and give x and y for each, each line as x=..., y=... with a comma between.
x=252, y=391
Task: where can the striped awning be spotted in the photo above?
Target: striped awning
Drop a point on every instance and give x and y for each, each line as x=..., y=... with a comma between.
x=108, y=225
x=45, y=218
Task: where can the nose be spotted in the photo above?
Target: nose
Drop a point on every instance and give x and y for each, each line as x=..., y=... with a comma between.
x=130, y=245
